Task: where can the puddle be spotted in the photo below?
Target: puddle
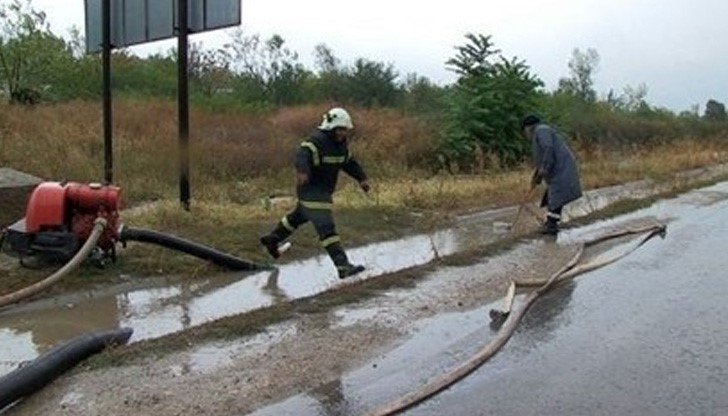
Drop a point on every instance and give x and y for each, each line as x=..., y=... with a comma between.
x=29, y=330
x=352, y=316
x=15, y=348
x=415, y=360
x=690, y=206
x=210, y=357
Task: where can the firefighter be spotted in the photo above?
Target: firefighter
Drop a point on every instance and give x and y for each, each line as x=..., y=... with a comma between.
x=555, y=164
x=318, y=162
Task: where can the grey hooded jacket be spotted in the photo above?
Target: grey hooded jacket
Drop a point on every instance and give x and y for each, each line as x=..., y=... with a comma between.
x=555, y=163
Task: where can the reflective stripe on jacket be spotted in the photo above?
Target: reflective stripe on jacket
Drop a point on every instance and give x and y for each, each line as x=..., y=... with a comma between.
x=321, y=158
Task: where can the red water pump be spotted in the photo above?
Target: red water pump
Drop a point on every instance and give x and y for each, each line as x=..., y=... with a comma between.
x=59, y=218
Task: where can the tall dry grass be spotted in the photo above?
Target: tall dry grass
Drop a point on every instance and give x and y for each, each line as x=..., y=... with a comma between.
x=240, y=158
x=233, y=157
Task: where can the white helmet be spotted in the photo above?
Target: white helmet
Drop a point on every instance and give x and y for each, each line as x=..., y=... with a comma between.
x=336, y=117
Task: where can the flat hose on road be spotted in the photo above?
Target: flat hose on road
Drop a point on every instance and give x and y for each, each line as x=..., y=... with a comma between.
x=33, y=376
x=651, y=231
x=509, y=326
x=180, y=244
x=83, y=253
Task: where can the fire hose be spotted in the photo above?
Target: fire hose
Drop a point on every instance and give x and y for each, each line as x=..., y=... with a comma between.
x=31, y=377
x=507, y=329
x=189, y=247
x=74, y=263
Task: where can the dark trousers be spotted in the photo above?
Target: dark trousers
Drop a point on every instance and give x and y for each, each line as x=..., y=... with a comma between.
x=321, y=216
x=553, y=214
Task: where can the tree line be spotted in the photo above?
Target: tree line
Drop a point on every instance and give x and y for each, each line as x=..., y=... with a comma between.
x=477, y=115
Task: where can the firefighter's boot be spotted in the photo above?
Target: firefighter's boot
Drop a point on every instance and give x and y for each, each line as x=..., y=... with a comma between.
x=272, y=240
x=341, y=261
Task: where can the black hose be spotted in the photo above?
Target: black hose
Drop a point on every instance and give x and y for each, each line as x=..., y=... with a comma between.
x=180, y=244
x=31, y=377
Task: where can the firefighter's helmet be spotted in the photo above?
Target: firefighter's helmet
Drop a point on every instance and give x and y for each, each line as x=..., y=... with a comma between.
x=336, y=117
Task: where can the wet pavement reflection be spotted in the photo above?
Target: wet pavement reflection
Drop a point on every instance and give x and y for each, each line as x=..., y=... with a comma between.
x=643, y=336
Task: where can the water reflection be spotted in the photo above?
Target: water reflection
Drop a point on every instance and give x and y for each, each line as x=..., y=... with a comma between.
x=158, y=311
x=548, y=313
x=331, y=398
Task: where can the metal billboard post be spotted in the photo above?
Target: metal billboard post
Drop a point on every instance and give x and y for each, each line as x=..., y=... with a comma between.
x=119, y=23
x=107, y=108
x=183, y=98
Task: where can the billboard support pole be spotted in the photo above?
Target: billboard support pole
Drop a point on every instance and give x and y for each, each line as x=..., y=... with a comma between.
x=107, y=108
x=183, y=113
x=120, y=23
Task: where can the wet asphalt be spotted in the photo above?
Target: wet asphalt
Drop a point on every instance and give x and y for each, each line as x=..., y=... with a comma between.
x=644, y=336
x=647, y=336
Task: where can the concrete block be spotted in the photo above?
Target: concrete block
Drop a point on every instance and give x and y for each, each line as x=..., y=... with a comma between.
x=15, y=188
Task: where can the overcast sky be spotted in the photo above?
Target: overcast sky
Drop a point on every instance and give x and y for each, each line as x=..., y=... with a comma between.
x=677, y=47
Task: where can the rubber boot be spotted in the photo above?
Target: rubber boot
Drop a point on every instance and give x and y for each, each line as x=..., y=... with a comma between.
x=550, y=227
x=343, y=267
x=271, y=240
x=349, y=270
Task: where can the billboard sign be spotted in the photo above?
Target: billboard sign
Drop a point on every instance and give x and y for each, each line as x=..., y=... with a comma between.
x=135, y=22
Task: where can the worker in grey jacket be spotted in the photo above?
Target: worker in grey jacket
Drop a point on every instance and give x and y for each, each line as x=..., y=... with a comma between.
x=555, y=164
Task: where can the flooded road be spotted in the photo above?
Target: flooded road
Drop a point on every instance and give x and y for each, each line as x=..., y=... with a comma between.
x=644, y=336
x=601, y=341
x=32, y=328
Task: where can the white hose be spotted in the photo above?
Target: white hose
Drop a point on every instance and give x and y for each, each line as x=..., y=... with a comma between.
x=83, y=253
x=509, y=326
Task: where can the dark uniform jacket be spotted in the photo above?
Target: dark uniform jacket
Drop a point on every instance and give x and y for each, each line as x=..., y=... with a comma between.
x=556, y=165
x=321, y=157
